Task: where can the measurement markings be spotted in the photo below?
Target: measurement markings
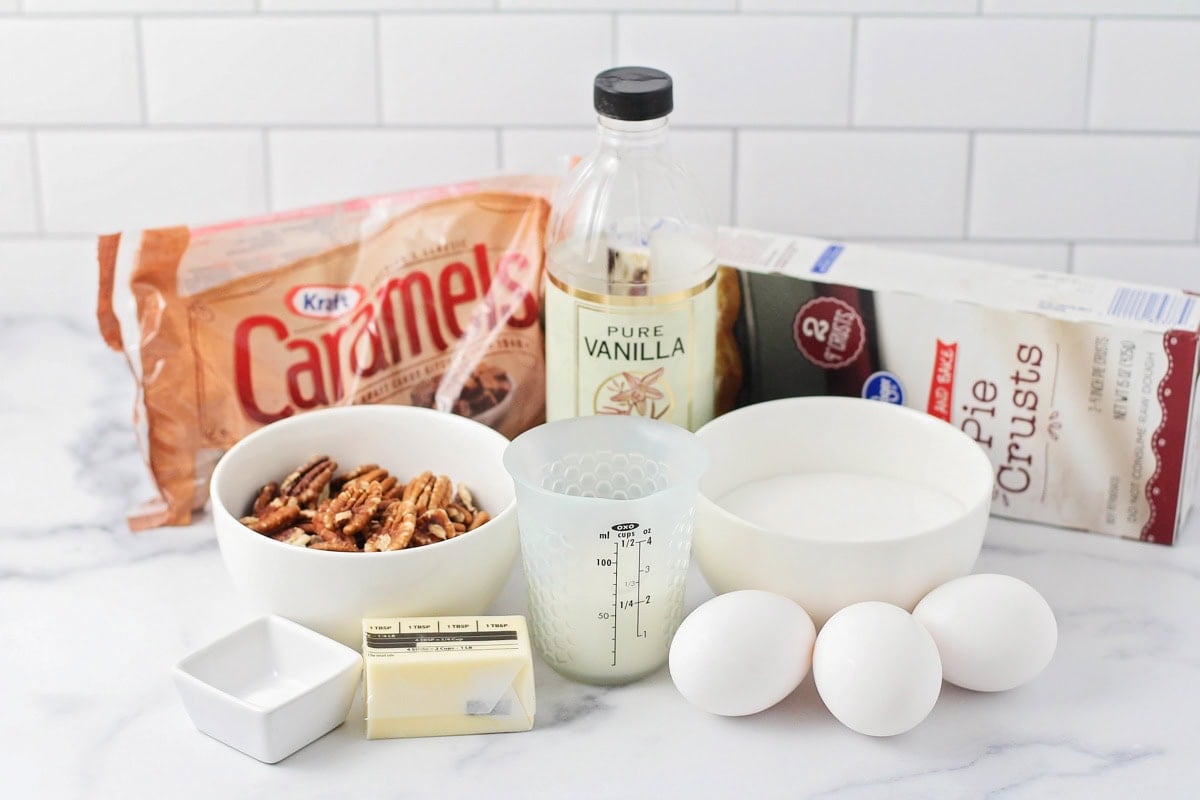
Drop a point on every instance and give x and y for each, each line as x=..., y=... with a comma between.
x=616, y=573
x=638, y=629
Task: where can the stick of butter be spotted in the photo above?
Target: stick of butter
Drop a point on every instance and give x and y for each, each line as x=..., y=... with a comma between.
x=441, y=676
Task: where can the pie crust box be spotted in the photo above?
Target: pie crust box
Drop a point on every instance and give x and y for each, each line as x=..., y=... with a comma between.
x=1082, y=391
x=427, y=297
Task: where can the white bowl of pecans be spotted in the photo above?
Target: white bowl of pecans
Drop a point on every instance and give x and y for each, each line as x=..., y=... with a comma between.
x=366, y=511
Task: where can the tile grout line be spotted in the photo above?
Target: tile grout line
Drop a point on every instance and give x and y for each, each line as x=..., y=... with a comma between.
x=48, y=236
x=268, y=169
x=892, y=241
x=1089, y=76
x=799, y=128
x=733, y=182
x=434, y=11
x=852, y=76
x=377, y=35
x=1071, y=258
x=140, y=51
x=612, y=32
x=1197, y=236
x=970, y=177
x=35, y=172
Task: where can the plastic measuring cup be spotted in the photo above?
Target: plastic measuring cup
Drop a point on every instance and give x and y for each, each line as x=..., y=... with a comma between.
x=605, y=508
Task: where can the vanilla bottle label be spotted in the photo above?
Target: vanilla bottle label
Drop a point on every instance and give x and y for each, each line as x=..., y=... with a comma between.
x=647, y=356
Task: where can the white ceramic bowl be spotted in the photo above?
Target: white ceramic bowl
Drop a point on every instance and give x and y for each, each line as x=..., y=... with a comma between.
x=332, y=592
x=825, y=565
x=269, y=688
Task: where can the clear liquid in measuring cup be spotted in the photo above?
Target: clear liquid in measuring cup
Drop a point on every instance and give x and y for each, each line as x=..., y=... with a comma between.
x=606, y=581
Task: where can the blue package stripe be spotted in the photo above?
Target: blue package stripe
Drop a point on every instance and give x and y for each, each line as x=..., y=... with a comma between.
x=825, y=262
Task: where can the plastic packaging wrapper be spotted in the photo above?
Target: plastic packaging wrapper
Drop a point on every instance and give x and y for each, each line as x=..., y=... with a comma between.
x=427, y=297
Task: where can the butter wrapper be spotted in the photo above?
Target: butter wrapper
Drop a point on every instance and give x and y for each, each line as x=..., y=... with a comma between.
x=444, y=676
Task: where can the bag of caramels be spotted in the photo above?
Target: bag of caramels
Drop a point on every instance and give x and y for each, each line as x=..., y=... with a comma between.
x=425, y=297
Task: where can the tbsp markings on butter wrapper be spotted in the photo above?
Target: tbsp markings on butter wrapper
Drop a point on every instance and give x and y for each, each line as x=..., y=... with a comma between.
x=443, y=676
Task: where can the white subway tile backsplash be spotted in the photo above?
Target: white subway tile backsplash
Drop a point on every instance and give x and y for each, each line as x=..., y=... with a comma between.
x=68, y=71
x=1084, y=187
x=135, y=6
x=1146, y=75
x=864, y=6
x=1164, y=265
x=17, y=212
x=121, y=180
x=544, y=150
x=309, y=167
x=1048, y=257
x=707, y=154
x=1044, y=133
x=1094, y=7
x=260, y=70
x=746, y=70
x=971, y=73
x=852, y=184
x=374, y=5
x=57, y=276
x=492, y=69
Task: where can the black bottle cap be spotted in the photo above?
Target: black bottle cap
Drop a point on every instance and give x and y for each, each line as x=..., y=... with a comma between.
x=633, y=93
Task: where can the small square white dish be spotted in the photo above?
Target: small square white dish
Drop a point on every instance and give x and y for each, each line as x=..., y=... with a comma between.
x=269, y=688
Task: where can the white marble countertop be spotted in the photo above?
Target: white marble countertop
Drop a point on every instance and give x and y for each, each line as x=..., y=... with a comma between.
x=93, y=618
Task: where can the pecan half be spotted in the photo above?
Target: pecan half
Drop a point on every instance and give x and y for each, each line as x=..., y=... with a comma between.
x=349, y=512
x=294, y=535
x=395, y=529
x=391, y=488
x=263, y=501
x=345, y=545
x=415, y=486
x=378, y=474
x=349, y=475
x=464, y=497
x=432, y=526
x=432, y=492
x=458, y=514
x=477, y=520
x=307, y=483
x=285, y=486
x=278, y=515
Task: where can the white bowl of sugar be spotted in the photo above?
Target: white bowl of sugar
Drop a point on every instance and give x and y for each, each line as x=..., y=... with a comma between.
x=833, y=501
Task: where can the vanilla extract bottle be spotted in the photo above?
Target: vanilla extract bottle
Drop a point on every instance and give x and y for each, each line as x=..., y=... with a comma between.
x=631, y=261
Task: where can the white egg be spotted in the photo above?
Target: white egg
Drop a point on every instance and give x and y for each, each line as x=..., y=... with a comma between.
x=742, y=652
x=877, y=669
x=994, y=632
